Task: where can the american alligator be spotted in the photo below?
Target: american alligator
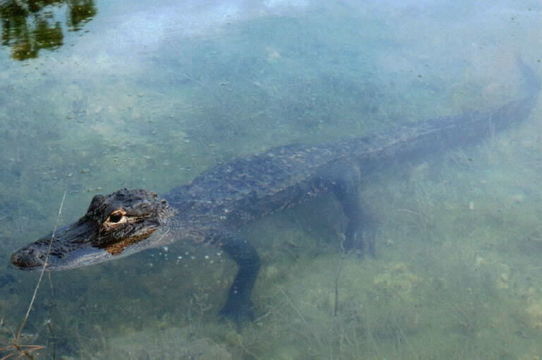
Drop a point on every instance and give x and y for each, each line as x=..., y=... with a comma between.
x=213, y=207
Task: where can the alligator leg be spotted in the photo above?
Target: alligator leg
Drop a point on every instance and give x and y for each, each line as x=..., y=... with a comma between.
x=238, y=307
x=359, y=232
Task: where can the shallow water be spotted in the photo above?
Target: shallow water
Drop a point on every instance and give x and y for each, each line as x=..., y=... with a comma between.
x=148, y=95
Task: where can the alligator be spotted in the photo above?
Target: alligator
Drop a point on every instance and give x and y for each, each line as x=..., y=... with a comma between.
x=216, y=204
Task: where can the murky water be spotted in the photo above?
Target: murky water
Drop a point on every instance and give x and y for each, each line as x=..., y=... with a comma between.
x=97, y=95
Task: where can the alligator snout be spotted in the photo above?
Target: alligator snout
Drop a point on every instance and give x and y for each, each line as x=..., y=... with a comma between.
x=28, y=258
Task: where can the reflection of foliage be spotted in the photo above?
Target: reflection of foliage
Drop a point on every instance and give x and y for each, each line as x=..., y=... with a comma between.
x=81, y=11
x=31, y=25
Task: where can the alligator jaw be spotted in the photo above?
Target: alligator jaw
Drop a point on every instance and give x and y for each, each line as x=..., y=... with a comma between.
x=71, y=248
x=57, y=249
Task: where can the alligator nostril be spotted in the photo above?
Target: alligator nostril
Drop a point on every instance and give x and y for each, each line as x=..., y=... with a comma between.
x=26, y=259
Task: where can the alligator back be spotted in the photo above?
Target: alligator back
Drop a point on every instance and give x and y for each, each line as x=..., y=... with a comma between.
x=245, y=188
x=248, y=187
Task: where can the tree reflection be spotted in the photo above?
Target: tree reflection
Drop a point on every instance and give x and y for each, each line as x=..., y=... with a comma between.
x=31, y=25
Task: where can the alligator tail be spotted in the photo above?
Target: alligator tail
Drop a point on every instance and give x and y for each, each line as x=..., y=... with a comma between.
x=440, y=134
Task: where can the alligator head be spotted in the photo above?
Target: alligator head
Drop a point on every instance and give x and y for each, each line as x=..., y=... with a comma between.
x=119, y=224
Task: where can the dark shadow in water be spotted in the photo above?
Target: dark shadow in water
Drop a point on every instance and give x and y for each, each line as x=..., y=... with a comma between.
x=31, y=25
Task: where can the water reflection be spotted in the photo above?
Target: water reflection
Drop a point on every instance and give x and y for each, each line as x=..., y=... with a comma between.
x=31, y=25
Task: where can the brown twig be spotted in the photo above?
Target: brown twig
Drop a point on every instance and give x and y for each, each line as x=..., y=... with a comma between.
x=15, y=349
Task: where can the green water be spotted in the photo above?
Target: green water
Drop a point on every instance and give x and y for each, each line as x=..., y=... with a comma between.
x=99, y=95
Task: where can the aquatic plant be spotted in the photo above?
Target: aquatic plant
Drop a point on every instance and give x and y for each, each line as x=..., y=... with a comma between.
x=16, y=348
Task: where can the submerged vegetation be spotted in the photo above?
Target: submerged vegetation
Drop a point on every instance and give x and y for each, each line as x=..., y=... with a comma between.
x=457, y=272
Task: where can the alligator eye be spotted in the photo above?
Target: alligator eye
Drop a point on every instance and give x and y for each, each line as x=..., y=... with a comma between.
x=116, y=216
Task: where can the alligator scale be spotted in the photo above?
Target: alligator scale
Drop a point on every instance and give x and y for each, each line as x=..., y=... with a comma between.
x=216, y=204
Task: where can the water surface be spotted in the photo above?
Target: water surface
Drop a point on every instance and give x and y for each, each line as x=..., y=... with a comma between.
x=98, y=95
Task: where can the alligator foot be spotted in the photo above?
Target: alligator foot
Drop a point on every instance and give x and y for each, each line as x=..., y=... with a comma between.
x=345, y=182
x=238, y=307
x=238, y=313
